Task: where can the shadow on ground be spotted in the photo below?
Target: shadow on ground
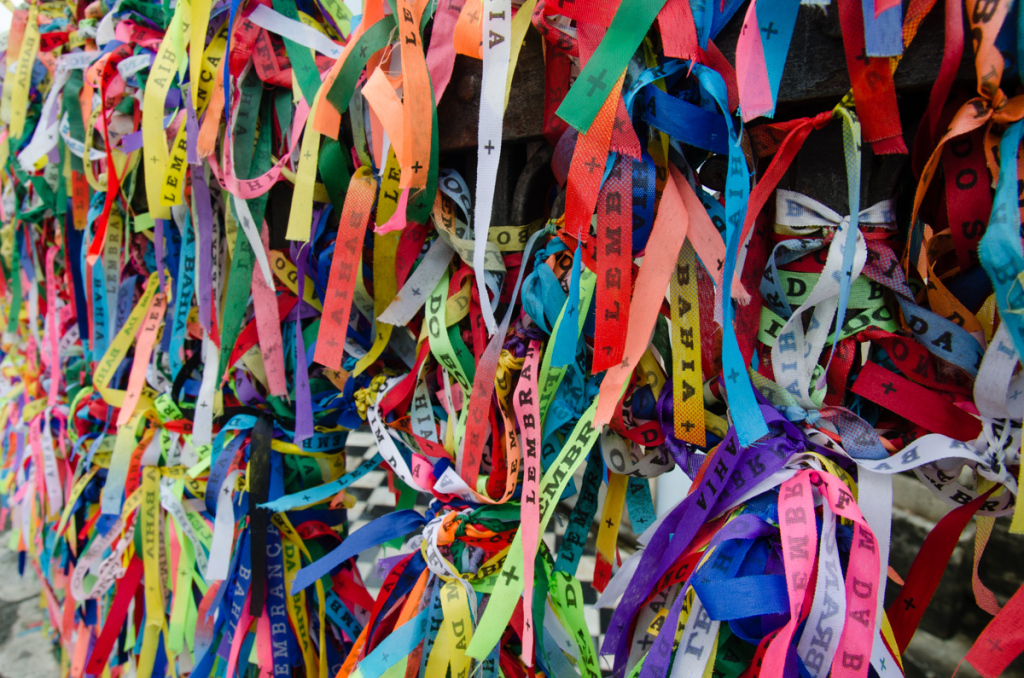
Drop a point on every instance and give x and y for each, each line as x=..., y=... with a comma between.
x=25, y=649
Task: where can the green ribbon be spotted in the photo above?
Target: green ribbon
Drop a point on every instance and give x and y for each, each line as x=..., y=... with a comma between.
x=585, y=98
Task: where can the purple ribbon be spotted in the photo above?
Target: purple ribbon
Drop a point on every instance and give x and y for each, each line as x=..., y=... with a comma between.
x=303, y=399
x=204, y=219
x=732, y=472
x=747, y=526
x=687, y=456
x=191, y=130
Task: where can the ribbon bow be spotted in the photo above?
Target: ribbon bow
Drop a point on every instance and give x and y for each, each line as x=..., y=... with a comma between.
x=802, y=216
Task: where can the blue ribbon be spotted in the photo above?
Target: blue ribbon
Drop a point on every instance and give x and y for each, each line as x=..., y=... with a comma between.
x=398, y=645
x=750, y=424
x=374, y=534
x=1000, y=248
x=776, y=35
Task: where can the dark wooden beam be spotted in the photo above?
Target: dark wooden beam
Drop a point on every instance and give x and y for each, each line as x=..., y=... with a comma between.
x=816, y=68
x=815, y=73
x=459, y=110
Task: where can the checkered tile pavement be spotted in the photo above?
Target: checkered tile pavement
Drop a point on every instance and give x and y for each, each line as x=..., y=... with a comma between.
x=374, y=499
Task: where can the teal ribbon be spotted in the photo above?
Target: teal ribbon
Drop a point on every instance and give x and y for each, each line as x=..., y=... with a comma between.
x=1000, y=248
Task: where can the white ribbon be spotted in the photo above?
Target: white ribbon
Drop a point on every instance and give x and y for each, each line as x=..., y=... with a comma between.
x=795, y=353
x=296, y=31
x=497, y=32
x=807, y=216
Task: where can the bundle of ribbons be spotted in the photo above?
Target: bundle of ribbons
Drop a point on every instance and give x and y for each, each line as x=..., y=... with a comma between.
x=229, y=237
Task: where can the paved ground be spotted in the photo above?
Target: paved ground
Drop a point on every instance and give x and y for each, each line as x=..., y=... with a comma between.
x=25, y=649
